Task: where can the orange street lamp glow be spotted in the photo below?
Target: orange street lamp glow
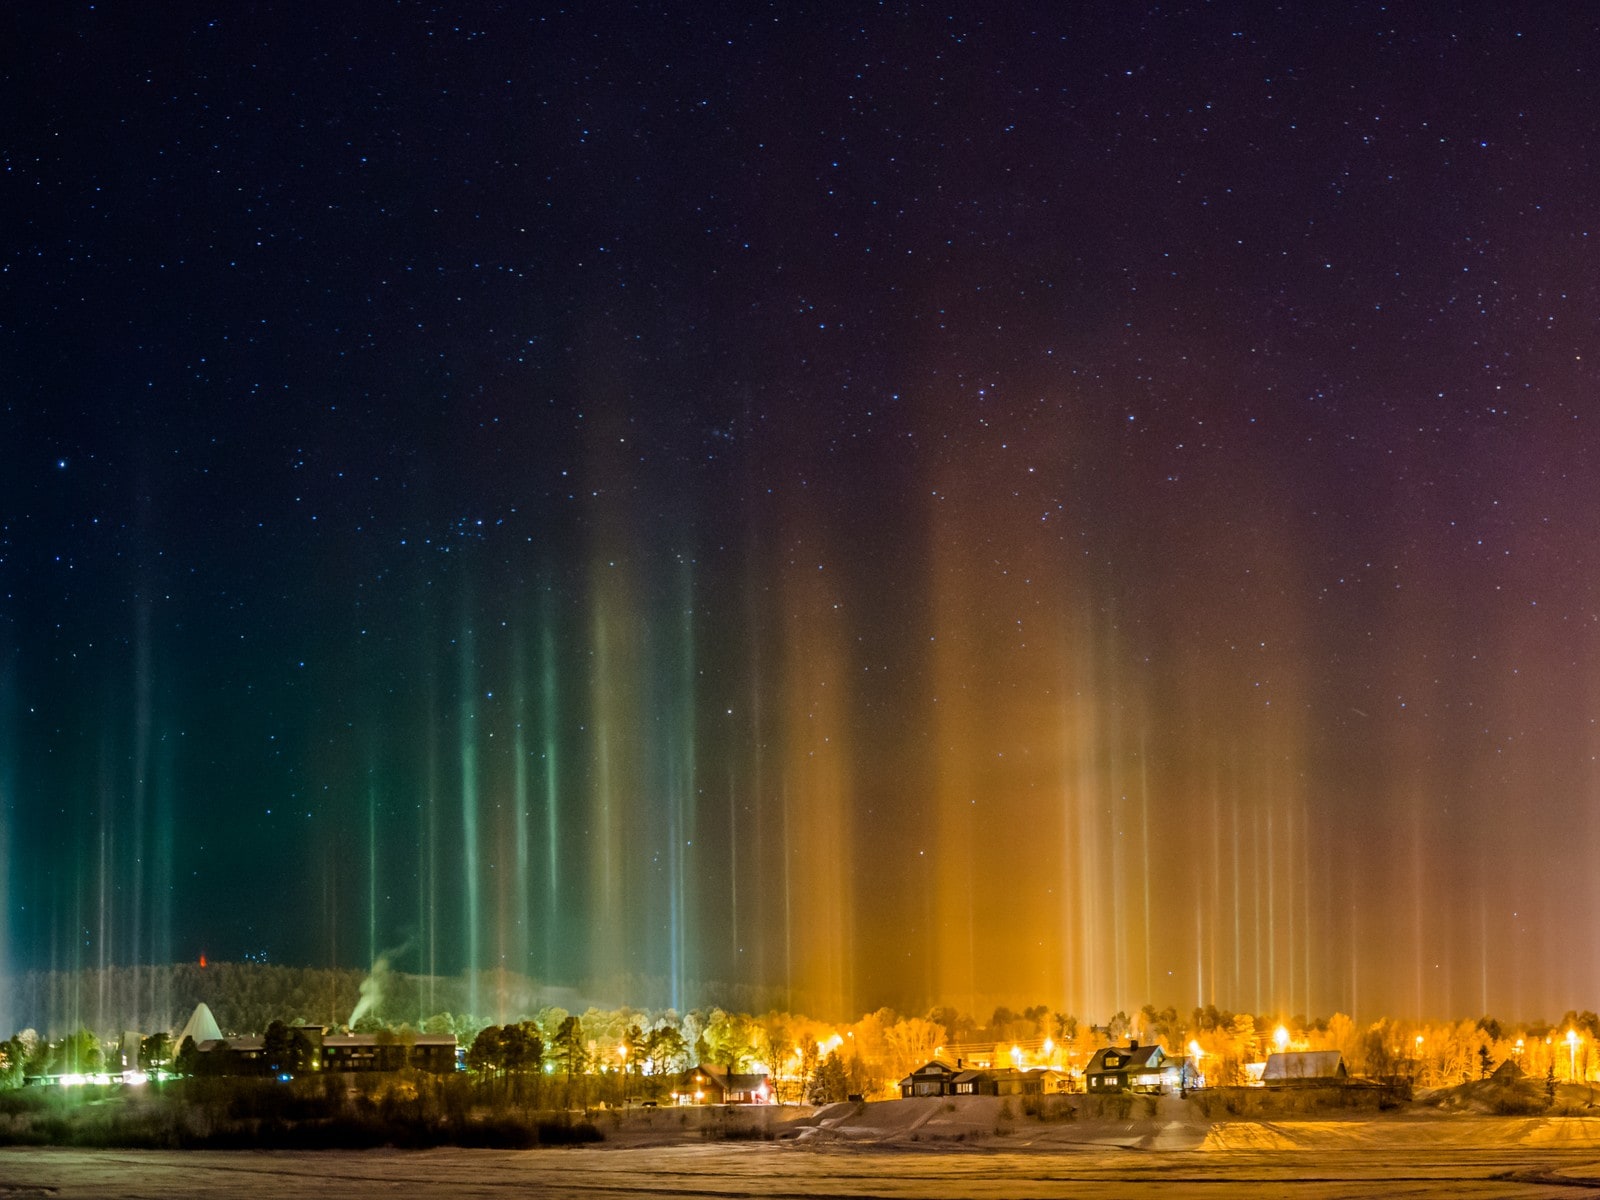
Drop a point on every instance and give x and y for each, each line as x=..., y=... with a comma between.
x=1281, y=1036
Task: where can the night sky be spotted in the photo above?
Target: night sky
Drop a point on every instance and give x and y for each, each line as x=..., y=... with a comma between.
x=817, y=505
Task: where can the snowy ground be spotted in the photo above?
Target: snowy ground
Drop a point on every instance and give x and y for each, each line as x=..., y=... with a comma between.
x=1314, y=1159
x=910, y=1149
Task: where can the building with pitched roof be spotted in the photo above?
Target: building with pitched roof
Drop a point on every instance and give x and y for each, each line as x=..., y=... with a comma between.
x=1304, y=1068
x=1132, y=1068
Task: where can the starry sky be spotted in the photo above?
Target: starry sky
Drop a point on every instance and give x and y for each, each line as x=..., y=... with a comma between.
x=830, y=505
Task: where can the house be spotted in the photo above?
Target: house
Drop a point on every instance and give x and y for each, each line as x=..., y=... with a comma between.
x=361, y=1052
x=711, y=1084
x=971, y=1083
x=1132, y=1068
x=231, y=1056
x=435, y=1052
x=1507, y=1072
x=931, y=1079
x=1030, y=1081
x=1304, y=1068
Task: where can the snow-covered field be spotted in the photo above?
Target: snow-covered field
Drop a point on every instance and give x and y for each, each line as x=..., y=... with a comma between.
x=1414, y=1155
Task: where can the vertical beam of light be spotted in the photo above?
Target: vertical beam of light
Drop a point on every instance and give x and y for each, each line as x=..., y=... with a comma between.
x=1216, y=876
x=953, y=721
x=1085, y=845
x=103, y=888
x=1144, y=855
x=1289, y=906
x=762, y=928
x=428, y=856
x=1096, y=845
x=735, y=946
x=522, y=815
x=1119, y=868
x=1238, y=903
x=621, y=899
x=682, y=792
x=549, y=698
x=468, y=745
x=1257, y=1003
x=74, y=962
x=372, y=864
x=163, y=875
x=1273, y=996
x=1418, y=892
x=818, y=813
x=1355, y=964
x=786, y=873
x=143, y=720
x=8, y=802
x=605, y=907
x=1483, y=954
x=762, y=921
x=1305, y=900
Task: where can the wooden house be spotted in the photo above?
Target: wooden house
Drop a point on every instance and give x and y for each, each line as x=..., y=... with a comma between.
x=1132, y=1068
x=931, y=1079
x=709, y=1083
x=1304, y=1068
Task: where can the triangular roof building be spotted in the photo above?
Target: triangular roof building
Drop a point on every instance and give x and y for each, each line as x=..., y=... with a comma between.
x=201, y=1026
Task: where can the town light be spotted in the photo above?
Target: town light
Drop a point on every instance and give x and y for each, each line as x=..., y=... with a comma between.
x=1572, y=1047
x=1280, y=1035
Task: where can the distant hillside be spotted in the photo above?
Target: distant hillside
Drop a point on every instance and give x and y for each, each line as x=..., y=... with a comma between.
x=244, y=996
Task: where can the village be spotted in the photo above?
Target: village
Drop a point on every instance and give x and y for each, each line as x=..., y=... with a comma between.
x=1029, y=1068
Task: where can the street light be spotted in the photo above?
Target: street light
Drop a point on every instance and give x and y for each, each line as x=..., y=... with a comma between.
x=1572, y=1047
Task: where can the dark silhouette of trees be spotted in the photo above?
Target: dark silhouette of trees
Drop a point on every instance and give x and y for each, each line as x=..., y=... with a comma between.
x=155, y=1051
x=567, y=1049
x=666, y=1048
x=831, y=1083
